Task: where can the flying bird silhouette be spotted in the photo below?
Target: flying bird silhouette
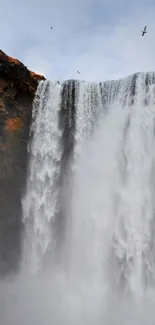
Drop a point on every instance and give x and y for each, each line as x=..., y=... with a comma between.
x=52, y=27
x=144, y=31
x=78, y=72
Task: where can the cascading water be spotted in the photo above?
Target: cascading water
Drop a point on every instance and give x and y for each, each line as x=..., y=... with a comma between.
x=40, y=202
x=89, y=204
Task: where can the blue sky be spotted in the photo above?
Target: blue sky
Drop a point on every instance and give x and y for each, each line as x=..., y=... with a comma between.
x=101, y=38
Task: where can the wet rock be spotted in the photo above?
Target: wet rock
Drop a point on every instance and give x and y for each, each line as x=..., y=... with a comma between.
x=17, y=90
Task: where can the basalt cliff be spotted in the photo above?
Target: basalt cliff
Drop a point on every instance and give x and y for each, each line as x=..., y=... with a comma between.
x=17, y=90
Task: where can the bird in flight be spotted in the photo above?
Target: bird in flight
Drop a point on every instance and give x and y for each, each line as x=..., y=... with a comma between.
x=78, y=72
x=52, y=27
x=144, y=31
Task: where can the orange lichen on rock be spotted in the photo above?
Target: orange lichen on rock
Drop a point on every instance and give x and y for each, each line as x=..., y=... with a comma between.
x=36, y=75
x=14, y=125
x=13, y=60
x=15, y=72
x=17, y=90
x=5, y=58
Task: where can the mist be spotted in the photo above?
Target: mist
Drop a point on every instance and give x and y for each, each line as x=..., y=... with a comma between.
x=40, y=300
x=88, y=209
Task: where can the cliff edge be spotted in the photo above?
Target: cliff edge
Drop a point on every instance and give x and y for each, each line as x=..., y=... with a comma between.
x=17, y=90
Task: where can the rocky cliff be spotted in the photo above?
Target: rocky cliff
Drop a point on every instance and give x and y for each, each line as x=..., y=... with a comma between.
x=17, y=89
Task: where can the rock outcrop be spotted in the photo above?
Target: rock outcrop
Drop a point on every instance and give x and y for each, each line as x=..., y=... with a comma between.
x=17, y=90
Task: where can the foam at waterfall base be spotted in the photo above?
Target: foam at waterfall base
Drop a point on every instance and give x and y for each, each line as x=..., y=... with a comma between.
x=38, y=301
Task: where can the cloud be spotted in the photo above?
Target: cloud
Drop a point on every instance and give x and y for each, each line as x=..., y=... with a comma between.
x=100, y=38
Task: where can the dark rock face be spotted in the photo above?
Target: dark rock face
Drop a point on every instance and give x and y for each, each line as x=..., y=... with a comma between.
x=17, y=89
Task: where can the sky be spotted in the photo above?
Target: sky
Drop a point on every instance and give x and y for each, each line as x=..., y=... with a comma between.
x=100, y=38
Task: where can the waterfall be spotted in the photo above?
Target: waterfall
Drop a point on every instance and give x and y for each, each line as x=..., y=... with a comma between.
x=89, y=208
x=40, y=201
